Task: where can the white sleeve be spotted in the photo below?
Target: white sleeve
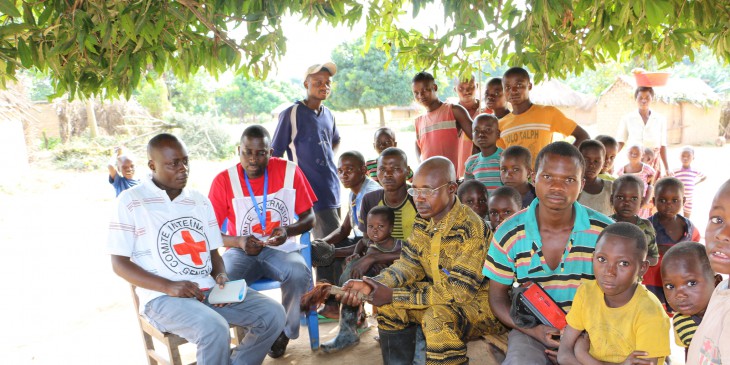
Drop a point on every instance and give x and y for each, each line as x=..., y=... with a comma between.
x=212, y=230
x=663, y=132
x=121, y=237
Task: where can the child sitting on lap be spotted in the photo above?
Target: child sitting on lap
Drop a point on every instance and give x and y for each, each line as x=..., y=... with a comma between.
x=688, y=285
x=371, y=255
x=376, y=252
x=624, y=322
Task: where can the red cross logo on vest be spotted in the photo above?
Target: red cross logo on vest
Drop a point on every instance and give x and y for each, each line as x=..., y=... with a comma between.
x=191, y=247
x=269, y=226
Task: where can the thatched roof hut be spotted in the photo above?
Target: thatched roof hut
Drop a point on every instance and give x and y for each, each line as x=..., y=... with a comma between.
x=575, y=105
x=558, y=94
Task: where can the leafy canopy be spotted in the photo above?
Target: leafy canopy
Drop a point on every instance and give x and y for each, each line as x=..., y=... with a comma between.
x=363, y=83
x=107, y=46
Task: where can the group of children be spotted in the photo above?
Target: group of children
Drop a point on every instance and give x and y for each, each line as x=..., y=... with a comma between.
x=647, y=266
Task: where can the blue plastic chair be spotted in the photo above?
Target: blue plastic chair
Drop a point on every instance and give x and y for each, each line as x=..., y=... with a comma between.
x=309, y=318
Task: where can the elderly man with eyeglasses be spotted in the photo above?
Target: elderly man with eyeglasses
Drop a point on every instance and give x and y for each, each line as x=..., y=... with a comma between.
x=436, y=286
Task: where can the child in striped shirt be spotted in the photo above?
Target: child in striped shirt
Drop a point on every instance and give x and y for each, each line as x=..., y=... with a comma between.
x=688, y=282
x=689, y=177
x=383, y=138
x=484, y=166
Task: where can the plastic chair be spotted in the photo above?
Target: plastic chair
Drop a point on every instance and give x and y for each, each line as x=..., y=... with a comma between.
x=310, y=318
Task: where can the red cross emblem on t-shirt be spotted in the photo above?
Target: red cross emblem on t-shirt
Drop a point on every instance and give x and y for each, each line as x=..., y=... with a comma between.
x=191, y=247
x=269, y=226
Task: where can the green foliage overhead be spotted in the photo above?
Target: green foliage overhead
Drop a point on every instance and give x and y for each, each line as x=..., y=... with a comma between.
x=362, y=82
x=253, y=97
x=107, y=46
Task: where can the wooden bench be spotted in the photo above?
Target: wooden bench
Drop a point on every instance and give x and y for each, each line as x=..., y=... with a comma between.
x=171, y=341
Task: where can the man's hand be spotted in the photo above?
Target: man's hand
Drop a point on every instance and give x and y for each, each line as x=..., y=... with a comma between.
x=221, y=279
x=278, y=237
x=352, y=287
x=184, y=289
x=354, y=256
x=545, y=334
x=381, y=294
x=360, y=267
x=251, y=245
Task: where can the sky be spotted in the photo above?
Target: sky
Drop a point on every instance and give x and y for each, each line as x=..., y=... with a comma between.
x=308, y=45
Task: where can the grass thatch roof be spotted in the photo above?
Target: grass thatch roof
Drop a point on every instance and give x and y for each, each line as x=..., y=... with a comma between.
x=555, y=93
x=15, y=104
x=677, y=90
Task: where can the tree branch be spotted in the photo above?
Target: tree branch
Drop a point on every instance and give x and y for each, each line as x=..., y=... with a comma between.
x=193, y=7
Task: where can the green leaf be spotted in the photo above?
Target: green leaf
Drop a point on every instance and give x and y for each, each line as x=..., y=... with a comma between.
x=655, y=14
x=8, y=7
x=24, y=52
x=45, y=15
x=28, y=14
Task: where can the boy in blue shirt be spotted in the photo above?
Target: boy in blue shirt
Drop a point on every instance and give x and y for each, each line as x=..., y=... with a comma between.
x=121, y=171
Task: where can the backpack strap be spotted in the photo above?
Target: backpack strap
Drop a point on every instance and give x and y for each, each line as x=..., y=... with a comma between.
x=235, y=182
x=293, y=120
x=291, y=168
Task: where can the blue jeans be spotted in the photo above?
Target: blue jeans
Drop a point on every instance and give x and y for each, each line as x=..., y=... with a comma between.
x=207, y=326
x=287, y=268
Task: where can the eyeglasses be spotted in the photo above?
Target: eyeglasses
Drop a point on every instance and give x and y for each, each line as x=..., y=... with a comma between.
x=425, y=192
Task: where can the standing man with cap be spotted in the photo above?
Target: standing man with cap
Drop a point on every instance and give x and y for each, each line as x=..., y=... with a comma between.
x=308, y=135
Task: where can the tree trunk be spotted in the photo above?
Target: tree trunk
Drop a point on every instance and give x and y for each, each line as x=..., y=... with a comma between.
x=382, y=116
x=91, y=117
x=364, y=117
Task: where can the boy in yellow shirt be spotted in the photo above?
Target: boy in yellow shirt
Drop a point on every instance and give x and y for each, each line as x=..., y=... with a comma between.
x=625, y=323
x=532, y=125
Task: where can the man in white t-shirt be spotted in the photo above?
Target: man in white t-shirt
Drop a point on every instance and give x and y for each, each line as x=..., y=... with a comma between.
x=163, y=239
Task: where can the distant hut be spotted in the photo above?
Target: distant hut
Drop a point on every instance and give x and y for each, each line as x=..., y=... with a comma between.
x=407, y=112
x=280, y=108
x=690, y=105
x=575, y=105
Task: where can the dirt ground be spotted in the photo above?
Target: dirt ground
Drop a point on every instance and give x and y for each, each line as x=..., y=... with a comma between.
x=65, y=305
